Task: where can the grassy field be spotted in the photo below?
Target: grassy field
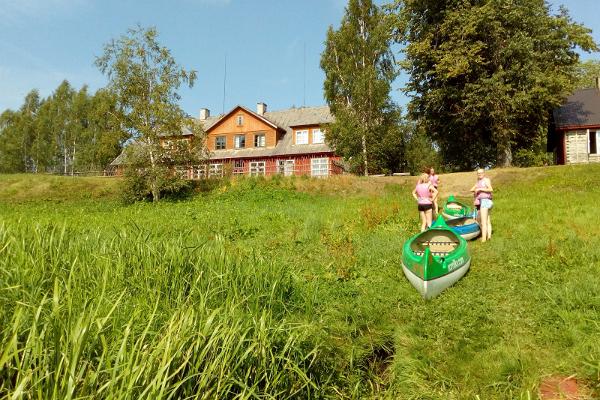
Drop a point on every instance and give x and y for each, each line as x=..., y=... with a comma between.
x=292, y=288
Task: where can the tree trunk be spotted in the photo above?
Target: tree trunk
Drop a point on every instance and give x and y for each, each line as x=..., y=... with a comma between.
x=364, y=150
x=504, y=156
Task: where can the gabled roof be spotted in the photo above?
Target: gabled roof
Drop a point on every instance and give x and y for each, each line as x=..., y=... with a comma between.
x=234, y=110
x=581, y=110
x=287, y=120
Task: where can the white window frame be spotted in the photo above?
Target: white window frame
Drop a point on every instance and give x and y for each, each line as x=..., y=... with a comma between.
x=303, y=135
x=286, y=167
x=239, y=120
x=257, y=168
x=215, y=170
x=321, y=136
x=198, y=172
x=236, y=141
x=262, y=139
x=319, y=167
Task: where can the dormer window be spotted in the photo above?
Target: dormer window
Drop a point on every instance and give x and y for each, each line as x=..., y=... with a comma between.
x=240, y=120
x=317, y=136
x=302, y=137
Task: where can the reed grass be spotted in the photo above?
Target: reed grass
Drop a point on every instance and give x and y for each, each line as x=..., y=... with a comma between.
x=284, y=289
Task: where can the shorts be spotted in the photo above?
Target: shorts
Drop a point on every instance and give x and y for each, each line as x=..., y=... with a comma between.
x=486, y=203
x=425, y=207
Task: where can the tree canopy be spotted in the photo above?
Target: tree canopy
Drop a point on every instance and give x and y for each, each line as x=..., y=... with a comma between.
x=359, y=69
x=145, y=78
x=70, y=131
x=485, y=74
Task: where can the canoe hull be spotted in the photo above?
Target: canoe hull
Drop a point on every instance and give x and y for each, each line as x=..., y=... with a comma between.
x=431, y=288
x=434, y=259
x=466, y=227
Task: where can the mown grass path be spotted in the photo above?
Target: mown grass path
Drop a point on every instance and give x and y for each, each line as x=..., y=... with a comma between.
x=292, y=289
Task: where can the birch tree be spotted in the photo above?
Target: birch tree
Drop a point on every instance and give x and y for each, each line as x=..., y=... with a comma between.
x=145, y=78
x=359, y=69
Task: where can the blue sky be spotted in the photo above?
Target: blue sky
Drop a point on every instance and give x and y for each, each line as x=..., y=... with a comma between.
x=272, y=46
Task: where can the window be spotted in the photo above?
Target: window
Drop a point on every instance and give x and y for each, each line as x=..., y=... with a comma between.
x=319, y=166
x=238, y=167
x=259, y=140
x=215, y=171
x=318, y=136
x=302, y=137
x=240, y=120
x=198, y=172
x=593, y=142
x=285, y=167
x=257, y=168
x=220, y=142
x=240, y=141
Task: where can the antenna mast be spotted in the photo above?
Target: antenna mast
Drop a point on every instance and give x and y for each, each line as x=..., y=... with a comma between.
x=304, y=92
x=224, y=82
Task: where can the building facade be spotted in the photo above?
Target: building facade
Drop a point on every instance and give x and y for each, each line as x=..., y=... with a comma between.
x=261, y=143
x=574, y=136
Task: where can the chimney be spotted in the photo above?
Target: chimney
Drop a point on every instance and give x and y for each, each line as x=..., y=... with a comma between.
x=204, y=114
x=261, y=108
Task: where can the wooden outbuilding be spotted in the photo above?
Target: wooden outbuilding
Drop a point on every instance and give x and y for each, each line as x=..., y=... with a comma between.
x=574, y=134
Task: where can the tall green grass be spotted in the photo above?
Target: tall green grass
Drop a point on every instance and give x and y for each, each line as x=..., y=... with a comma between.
x=261, y=290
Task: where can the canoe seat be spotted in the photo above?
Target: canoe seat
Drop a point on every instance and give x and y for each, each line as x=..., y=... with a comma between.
x=439, y=243
x=435, y=253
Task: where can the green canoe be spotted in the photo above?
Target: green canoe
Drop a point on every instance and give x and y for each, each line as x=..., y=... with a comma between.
x=435, y=259
x=455, y=209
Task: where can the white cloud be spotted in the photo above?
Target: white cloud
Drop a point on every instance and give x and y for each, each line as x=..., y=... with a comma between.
x=17, y=11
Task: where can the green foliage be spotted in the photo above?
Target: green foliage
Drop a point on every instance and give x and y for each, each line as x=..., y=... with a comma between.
x=359, y=68
x=257, y=290
x=70, y=131
x=586, y=74
x=420, y=153
x=144, y=78
x=485, y=74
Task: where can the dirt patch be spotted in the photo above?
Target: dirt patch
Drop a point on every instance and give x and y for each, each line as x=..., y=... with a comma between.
x=559, y=387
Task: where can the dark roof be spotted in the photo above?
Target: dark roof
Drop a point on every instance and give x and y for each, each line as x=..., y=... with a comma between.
x=285, y=120
x=581, y=110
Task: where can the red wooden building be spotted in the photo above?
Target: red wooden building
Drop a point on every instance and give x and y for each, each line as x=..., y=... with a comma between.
x=245, y=142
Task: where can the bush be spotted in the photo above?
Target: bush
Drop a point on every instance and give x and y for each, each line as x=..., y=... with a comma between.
x=531, y=158
x=420, y=153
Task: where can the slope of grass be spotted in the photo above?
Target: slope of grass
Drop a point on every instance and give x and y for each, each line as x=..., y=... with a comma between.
x=292, y=289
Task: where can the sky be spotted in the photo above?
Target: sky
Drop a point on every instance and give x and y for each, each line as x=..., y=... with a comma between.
x=270, y=49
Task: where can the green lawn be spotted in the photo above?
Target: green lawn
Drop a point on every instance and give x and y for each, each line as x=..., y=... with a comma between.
x=292, y=288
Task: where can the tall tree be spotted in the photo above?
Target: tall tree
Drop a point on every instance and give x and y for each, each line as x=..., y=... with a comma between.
x=484, y=74
x=586, y=74
x=359, y=69
x=145, y=78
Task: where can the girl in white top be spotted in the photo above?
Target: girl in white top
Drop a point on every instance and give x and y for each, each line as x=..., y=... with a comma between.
x=482, y=191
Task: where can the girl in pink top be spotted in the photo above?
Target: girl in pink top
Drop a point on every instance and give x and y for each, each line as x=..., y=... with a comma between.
x=482, y=190
x=424, y=193
x=435, y=181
